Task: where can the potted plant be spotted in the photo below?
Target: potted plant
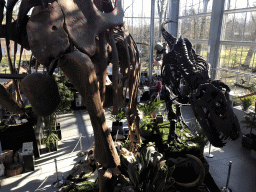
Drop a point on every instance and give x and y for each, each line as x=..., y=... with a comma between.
x=139, y=95
x=250, y=122
x=50, y=138
x=58, y=130
x=253, y=150
x=247, y=101
x=117, y=125
x=150, y=173
x=149, y=108
x=159, y=117
x=56, y=127
x=146, y=127
x=66, y=93
x=202, y=140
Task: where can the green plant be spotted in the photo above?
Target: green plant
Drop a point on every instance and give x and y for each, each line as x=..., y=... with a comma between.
x=5, y=67
x=182, y=148
x=147, y=174
x=126, y=144
x=150, y=106
x=248, y=100
x=2, y=124
x=250, y=121
x=31, y=116
x=161, y=106
x=118, y=117
x=66, y=94
x=200, y=136
x=235, y=59
x=146, y=124
x=49, y=136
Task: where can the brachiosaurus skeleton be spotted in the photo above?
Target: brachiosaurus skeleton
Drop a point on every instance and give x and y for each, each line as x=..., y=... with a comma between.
x=81, y=37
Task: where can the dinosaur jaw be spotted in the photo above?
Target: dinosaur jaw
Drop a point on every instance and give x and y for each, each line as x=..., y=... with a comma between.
x=215, y=115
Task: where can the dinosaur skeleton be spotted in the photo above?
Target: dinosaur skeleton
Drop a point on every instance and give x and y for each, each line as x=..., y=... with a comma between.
x=185, y=75
x=81, y=37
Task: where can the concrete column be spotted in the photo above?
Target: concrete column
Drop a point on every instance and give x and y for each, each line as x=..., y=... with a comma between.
x=214, y=35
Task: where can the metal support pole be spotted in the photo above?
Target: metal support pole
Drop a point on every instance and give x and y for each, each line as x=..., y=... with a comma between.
x=214, y=35
x=226, y=189
x=209, y=154
x=173, y=14
x=57, y=183
x=55, y=160
x=81, y=146
x=151, y=39
x=0, y=148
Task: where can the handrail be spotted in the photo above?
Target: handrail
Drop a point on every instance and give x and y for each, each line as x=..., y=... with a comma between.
x=55, y=160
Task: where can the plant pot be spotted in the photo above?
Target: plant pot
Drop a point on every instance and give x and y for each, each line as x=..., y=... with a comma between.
x=248, y=141
x=153, y=115
x=253, y=150
x=58, y=126
x=206, y=165
x=52, y=147
x=146, y=134
x=58, y=132
x=117, y=126
x=14, y=169
x=138, y=99
x=159, y=119
x=245, y=107
x=253, y=153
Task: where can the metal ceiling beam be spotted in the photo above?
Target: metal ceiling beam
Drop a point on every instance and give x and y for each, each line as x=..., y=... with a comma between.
x=12, y=76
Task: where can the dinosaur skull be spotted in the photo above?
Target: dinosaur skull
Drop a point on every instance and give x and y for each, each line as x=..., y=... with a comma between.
x=212, y=108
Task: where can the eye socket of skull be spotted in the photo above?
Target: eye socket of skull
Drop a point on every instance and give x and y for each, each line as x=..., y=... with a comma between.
x=209, y=94
x=219, y=107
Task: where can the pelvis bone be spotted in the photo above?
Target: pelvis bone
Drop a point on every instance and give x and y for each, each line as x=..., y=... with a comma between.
x=84, y=21
x=48, y=34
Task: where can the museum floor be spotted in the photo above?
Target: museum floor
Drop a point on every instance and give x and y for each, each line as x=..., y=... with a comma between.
x=243, y=171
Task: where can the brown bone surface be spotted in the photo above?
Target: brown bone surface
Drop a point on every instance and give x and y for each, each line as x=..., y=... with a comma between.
x=42, y=92
x=84, y=21
x=46, y=35
x=8, y=102
x=82, y=75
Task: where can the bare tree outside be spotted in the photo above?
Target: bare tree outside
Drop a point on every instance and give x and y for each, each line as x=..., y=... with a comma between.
x=252, y=39
x=161, y=8
x=202, y=27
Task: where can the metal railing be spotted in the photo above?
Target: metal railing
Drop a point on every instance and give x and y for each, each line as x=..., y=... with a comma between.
x=59, y=181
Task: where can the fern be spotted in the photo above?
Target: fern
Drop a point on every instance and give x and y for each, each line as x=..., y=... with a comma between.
x=150, y=106
x=118, y=117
